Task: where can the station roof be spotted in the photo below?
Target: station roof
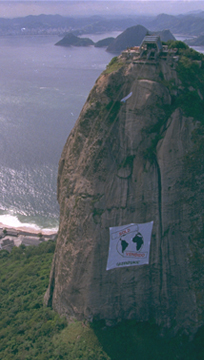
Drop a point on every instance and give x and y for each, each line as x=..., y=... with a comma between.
x=152, y=40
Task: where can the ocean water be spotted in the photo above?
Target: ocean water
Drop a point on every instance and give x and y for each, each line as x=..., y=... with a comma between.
x=42, y=90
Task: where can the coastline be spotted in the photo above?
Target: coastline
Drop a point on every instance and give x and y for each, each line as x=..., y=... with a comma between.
x=11, y=236
x=28, y=230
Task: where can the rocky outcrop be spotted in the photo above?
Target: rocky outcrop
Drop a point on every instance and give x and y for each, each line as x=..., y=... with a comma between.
x=104, y=42
x=127, y=163
x=73, y=40
x=132, y=36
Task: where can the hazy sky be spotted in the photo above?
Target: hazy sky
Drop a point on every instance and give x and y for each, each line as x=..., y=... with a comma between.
x=16, y=8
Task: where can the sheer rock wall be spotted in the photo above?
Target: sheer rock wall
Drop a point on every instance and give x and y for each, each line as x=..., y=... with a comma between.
x=123, y=163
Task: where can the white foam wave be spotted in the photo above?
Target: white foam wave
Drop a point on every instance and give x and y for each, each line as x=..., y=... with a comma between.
x=13, y=221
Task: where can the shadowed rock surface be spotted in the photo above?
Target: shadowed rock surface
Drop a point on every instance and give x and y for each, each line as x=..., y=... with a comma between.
x=132, y=162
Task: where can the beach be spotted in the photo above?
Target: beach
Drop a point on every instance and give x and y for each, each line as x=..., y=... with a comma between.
x=28, y=229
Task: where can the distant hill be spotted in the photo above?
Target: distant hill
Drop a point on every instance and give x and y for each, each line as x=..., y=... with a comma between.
x=165, y=35
x=104, y=42
x=73, y=40
x=34, y=24
x=57, y=24
x=104, y=25
x=188, y=24
x=132, y=36
x=199, y=41
x=164, y=21
x=185, y=24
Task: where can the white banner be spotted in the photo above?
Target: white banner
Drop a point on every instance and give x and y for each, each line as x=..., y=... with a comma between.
x=129, y=245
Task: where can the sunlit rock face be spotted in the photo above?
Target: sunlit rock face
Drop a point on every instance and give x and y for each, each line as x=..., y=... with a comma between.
x=126, y=163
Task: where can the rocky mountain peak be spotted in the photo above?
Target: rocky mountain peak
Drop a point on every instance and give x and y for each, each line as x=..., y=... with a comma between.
x=133, y=162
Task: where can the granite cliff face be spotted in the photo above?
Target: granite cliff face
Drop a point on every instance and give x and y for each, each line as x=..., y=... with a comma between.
x=132, y=162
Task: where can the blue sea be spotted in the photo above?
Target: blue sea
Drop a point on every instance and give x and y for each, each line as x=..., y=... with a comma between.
x=42, y=91
x=43, y=88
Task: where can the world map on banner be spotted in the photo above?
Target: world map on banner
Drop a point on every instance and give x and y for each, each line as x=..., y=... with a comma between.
x=129, y=245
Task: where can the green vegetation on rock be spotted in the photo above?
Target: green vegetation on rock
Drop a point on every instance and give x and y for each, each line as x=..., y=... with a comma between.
x=114, y=65
x=190, y=93
x=190, y=70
